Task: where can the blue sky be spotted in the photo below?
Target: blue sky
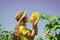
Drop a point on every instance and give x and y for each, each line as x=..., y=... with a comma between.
x=9, y=8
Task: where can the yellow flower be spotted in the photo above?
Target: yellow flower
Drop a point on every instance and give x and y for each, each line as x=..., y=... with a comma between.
x=35, y=17
x=47, y=34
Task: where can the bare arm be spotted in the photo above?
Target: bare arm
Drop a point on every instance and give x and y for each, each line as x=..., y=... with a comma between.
x=34, y=30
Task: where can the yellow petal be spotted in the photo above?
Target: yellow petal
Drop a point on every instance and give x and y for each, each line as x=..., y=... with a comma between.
x=49, y=34
x=45, y=33
x=34, y=16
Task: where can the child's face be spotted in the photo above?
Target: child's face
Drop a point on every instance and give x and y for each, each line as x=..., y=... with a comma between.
x=26, y=19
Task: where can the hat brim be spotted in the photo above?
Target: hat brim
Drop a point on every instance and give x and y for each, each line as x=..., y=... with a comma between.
x=24, y=14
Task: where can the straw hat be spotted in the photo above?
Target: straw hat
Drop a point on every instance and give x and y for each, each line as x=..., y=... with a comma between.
x=20, y=15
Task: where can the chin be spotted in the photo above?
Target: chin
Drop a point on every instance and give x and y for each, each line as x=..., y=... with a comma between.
x=26, y=21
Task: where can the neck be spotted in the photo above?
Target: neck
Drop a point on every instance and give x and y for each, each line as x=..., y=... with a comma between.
x=22, y=23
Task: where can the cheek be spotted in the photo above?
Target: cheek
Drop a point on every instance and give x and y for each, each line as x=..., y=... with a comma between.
x=26, y=20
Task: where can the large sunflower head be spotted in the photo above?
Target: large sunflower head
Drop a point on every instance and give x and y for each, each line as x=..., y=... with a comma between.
x=35, y=16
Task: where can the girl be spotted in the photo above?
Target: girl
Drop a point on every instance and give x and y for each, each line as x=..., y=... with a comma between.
x=21, y=32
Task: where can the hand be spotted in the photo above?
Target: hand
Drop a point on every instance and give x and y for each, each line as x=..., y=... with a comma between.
x=34, y=24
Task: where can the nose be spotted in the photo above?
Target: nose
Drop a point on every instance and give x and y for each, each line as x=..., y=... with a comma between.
x=29, y=19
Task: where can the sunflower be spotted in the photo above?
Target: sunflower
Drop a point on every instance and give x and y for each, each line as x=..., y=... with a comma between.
x=35, y=17
x=47, y=34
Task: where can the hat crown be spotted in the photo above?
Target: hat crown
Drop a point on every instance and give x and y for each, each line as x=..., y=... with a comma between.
x=20, y=15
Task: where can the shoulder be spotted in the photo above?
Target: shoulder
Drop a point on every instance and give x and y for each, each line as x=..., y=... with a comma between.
x=21, y=28
x=24, y=30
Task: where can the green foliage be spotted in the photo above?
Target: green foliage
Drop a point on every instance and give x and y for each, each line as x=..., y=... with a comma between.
x=52, y=26
x=39, y=38
x=5, y=35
